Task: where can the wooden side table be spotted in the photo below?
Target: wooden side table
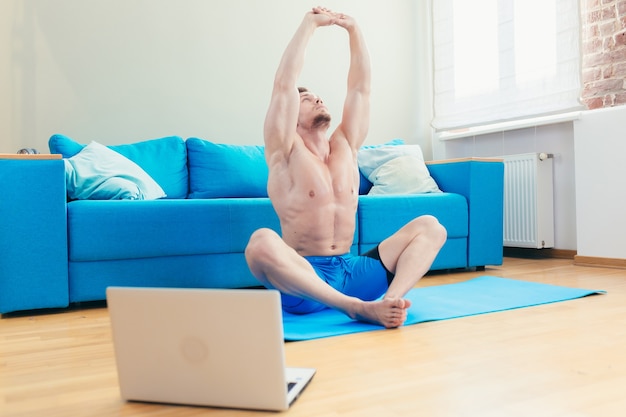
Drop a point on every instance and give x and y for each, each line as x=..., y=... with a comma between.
x=43, y=156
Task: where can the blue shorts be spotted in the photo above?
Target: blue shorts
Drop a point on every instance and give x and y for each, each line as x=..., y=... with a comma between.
x=364, y=277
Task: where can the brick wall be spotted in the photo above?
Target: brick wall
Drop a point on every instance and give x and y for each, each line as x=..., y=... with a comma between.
x=604, y=52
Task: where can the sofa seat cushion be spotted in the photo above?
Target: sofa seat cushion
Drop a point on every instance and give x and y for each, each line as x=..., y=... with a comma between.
x=381, y=216
x=114, y=230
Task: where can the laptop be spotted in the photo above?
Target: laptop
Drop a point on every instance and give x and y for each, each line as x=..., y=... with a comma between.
x=203, y=347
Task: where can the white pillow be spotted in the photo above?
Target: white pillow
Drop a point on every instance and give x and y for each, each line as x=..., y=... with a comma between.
x=398, y=169
x=100, y=173
x=402, y=175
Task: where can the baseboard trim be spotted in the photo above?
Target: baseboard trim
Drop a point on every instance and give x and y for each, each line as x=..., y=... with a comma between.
x=530, y=253
x=600, y=262
x=539, y=253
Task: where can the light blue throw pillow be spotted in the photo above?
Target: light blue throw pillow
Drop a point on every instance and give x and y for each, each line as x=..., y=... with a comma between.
x=396, y=170
x=226, y=171
x=365, y=185
x=100, y=173
x=164, y=159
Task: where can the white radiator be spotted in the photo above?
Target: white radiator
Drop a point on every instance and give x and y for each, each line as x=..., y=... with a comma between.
x=528, y=201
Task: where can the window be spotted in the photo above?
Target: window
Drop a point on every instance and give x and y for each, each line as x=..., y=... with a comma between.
x=502, y=60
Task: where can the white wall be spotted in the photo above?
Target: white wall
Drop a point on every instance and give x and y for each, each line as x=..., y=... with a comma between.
x=589, y=175
x=557, y=139
x=600, y=143
x=124, y=70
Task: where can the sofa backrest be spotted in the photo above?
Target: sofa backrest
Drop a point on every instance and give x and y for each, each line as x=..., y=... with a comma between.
x=197, y=168
x=226, y=171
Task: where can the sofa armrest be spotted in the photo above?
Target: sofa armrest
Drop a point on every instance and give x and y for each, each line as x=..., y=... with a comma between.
x=481, y=182
x=33, y=235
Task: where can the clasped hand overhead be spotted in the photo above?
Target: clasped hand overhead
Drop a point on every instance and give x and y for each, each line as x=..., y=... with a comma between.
x=326, y=17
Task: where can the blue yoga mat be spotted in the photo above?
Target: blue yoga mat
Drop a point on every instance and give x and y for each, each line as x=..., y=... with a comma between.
x=480, y=295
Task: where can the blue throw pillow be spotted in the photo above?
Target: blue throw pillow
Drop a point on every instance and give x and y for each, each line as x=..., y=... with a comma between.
x=164, y=159
x=99, y=173
x=226, y=171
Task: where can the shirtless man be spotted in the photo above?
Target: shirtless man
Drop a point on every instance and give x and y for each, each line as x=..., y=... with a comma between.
x=313, y=184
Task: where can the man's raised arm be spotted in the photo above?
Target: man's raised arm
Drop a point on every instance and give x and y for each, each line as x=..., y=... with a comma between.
x=282, y=116
x=356, y=110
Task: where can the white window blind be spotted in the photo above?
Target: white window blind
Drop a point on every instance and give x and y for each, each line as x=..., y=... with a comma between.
x=500, y=60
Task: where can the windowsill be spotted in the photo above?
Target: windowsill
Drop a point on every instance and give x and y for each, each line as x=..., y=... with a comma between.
x=506, y=126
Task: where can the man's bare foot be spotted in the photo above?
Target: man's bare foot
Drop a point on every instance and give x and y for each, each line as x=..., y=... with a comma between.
x=388, y=312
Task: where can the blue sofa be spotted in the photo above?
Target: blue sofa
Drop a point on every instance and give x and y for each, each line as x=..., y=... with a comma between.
x=55, y=252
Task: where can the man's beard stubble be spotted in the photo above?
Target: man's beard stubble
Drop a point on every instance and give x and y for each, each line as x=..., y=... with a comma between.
x=321, y=120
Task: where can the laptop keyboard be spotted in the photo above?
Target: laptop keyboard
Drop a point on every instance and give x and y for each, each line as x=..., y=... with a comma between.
x=290, y=385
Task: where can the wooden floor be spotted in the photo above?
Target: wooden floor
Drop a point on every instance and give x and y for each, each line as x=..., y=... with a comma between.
x=562, y=359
